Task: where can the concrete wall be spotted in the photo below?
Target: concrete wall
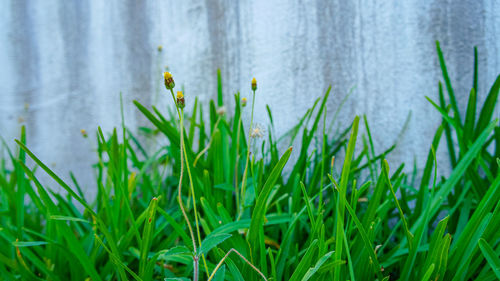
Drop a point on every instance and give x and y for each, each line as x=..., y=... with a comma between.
x=64, y=63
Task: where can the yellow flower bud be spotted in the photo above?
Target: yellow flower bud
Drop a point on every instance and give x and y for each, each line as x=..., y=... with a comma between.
x=244, y=102
x=180, y=100
x=169, y=80
x=84, y=133
x=254, y=84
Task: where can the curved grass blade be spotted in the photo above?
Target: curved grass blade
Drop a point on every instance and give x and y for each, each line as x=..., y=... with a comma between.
x=490, y=256
x=147, y=235
x=316, y=267
x=259, y=211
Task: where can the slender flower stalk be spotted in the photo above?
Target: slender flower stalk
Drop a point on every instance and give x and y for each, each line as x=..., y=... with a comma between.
x=180, y=103
x=179, y=198
x=197, y=224
x=242, y=257
x=236, y=183
x=183, y=149
x=243, y=182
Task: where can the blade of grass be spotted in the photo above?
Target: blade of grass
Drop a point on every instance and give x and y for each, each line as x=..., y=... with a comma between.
x=342, y=193
x=490, y=256
x=447, y=81
x=259, y=210
x=147, y=236
x=488, y=108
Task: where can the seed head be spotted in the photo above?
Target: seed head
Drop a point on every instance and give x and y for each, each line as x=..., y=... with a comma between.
x=221, y=110
x=257, y=131
x=254, y=84
x=180, y=100
x=169, y=81
x=244, y=102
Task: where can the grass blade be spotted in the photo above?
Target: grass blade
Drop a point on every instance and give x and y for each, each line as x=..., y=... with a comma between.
x=490, y=256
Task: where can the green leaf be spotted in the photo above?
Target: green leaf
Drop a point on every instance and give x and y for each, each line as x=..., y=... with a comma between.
x=178, y=250
x=220, y=274
x=259, y=211
x=364, y=237
x=147, y=236
x=470, y=117
x=436, y=244
x=460, y=263
x=66, y=218
x=457, y=174
x=56, y=178
x=28, y=244
x=211, y=241
x=235, y=272
x=490, y=256
x=428, y=273
x=447, y=81
x=409, y=235
x=308, y=204
x=488, y=107
x=314, y=269
x=305, y=261
x=175, y=252
x=344, y=179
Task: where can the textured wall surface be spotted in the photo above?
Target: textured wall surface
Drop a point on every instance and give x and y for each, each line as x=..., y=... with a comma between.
x=64, y=63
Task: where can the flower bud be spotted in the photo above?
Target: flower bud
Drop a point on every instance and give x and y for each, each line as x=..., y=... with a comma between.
x=180, y=100
x=169, y=81
x=244, y=102
x=84, y=133
x=254, y=84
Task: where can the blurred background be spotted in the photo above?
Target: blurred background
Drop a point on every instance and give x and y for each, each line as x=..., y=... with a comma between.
x=63, y=65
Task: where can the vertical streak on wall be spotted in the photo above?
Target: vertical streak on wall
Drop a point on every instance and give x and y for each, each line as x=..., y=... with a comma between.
x=24, y=60
x=336, y=25
x=138, y=53
x=224, y=32
x=459, y=26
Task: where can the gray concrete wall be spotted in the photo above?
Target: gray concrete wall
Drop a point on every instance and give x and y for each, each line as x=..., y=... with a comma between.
x=64, y=63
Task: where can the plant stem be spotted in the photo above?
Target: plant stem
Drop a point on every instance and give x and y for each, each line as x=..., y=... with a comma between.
x=179, y=198
x=243, y=181
x=194, y=201
x=323, y=156
x=195, y=268
x=183, y=153
x=236, y=185
x=242, y=257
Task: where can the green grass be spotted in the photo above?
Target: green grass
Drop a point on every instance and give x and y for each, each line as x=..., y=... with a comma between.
x=238, y=216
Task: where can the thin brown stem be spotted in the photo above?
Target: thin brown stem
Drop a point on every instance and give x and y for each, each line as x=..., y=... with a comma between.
x=196, y=262
x=243, y=181
x=179, y=198
x=242, y=257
